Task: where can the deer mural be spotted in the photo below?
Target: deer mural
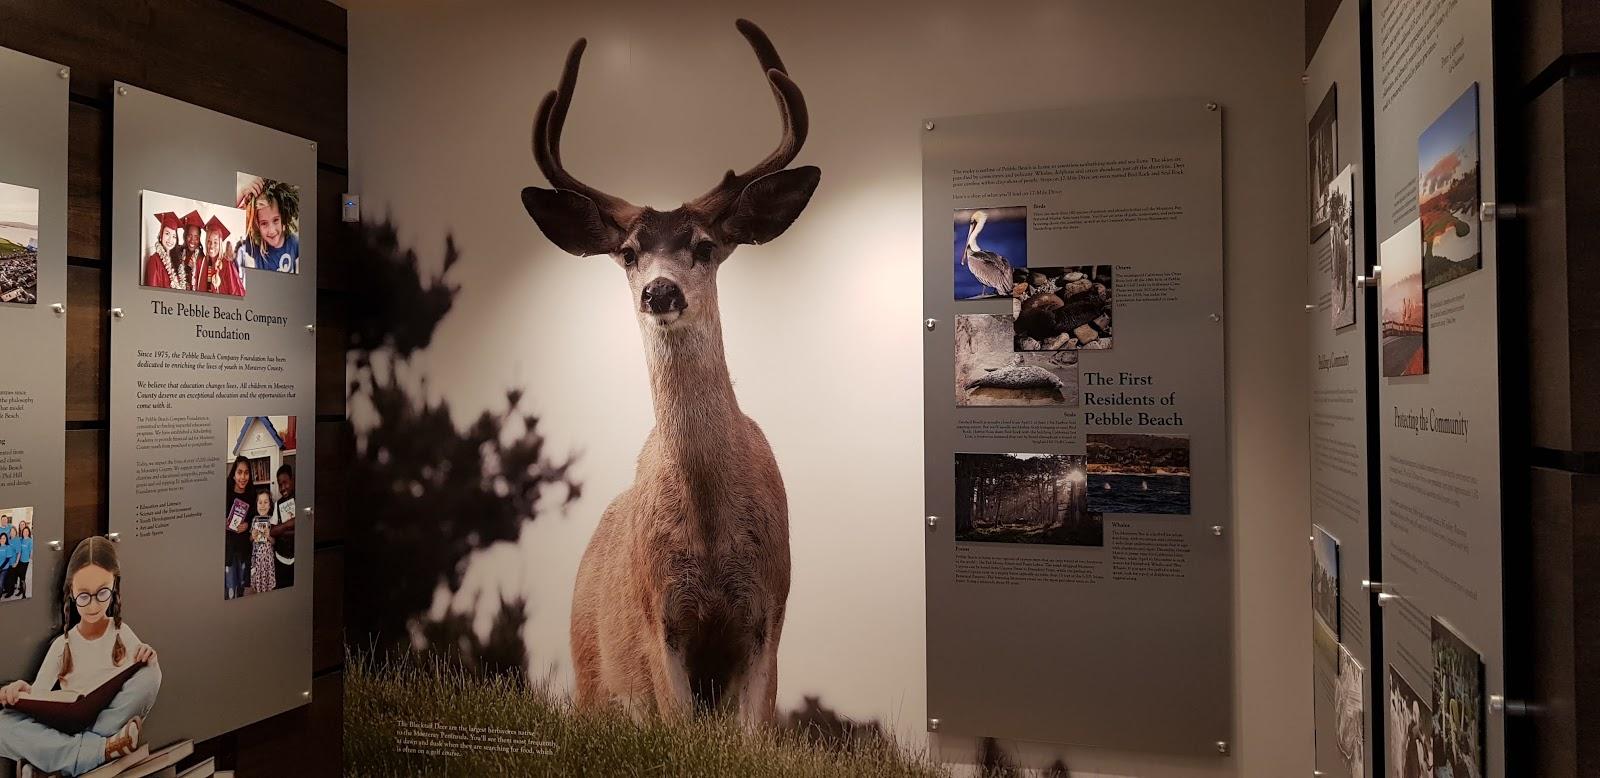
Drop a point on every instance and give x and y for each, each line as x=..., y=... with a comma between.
x=679, y=601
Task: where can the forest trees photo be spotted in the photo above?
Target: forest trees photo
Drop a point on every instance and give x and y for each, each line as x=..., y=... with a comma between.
x=1024, y=498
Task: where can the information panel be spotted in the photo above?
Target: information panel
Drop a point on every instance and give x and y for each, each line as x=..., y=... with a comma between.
x=1078, y=551
x=1439, y=387
x=212, y=389
x=1340, y=317
x=33, y=281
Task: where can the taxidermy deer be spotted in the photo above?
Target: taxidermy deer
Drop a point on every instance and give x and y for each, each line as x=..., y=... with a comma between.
x=679, y=600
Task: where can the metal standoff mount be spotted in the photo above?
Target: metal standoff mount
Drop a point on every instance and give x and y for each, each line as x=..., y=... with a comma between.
x=1222, y=747
x=1216, y=529
x=1385, y=597
x=928, y=125
x=64, y=72
x=933, y=521
x=1212, y=106
x=305, y=695
x=122, y=90
x=930, y=324
x=1371, y=586
x=1490, y=211
x=933, y=725
x=55, y=545
x=1310, y=307
x=311, y=328
x=1215, y=317
x=1500, y=705
x=58, y=307
x=1368, y=282
x=116, y=537
x=116, y=313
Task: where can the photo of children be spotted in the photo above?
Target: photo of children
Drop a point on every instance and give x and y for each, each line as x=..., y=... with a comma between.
x=191, y=252
x=16, y=554
x=272, y=213
x=259, y=509
x=86, y=705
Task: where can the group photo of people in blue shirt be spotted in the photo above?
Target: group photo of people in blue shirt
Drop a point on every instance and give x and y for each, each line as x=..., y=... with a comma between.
x=16, y=553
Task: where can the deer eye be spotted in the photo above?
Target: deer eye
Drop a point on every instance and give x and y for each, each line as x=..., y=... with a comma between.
x=703, y=251
x=629, y=256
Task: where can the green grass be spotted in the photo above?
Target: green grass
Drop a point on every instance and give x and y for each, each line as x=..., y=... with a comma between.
x=380, y=695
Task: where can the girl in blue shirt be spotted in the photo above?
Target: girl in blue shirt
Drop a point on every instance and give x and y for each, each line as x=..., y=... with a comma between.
x=8, y=562
x=19, y=571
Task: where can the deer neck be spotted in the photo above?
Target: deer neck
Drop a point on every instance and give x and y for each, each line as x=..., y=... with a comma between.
x=696, y=412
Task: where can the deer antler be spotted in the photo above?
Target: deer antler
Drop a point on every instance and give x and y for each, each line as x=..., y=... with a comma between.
x=547, y=138
x=791, y=109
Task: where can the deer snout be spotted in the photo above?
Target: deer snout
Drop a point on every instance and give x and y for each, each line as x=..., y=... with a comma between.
x=662, y=296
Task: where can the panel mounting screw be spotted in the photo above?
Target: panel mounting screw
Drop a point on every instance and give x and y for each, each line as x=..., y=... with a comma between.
x=1212, y=106
x=1305, y=78
x=930, y=324
x=933, y=725
x=933, y=521
x=1385, y=597
x=116, y=537
x=1216, y=529
x=1310, y=307
x=122, y=90
x=305, y=694
x=64, y=72
x=117, y=313
x=58, y=307
x=1371, y=586
x=1489, y=211
x=1215, y=317
x=1222, y=746
x=55, y=545
x=927, y=125
x=311, y=328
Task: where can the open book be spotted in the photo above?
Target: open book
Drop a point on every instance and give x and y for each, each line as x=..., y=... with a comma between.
x=144, y=763
x=71, y=712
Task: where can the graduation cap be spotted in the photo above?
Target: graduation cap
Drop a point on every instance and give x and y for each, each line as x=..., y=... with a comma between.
x=217, y=228
x=168, y=220
x=192, y=219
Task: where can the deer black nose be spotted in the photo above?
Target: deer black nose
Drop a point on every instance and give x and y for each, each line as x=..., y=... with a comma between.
x=662, y=296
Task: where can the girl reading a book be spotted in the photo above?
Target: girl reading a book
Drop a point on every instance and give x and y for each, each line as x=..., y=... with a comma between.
x=263, y=554
x=236, y=530
x=96, y=651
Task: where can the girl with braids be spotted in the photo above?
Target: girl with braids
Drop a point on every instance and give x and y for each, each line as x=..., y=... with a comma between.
x=272, y=225
x=96, y=648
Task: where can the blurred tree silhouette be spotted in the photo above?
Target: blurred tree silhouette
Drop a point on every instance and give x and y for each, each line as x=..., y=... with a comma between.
x=424, y=495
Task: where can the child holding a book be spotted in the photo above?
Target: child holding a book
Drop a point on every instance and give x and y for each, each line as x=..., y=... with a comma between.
x=96, y=649
x=263, y=556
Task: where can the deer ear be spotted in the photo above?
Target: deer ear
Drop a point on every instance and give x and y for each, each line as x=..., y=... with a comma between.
x=571, y=221
x=770, y=204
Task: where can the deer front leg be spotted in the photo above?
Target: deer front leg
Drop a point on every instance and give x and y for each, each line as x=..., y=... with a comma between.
x=758, y=689
x=669, y=677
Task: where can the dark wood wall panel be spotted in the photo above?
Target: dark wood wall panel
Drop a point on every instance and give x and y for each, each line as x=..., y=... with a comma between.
x=1319, y=15
x=279, y=63
x=207, y=52
x=1551, y=30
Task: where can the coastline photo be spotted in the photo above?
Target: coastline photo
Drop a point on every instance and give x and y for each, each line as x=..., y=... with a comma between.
x=189, y=245
x=1410, y=722
x=1322, y=157
x=19, y=244
x=1403, y=312
x=989, y=243
x=1062, y=308
x=1341, y=237
x=1457, y=704
x=1448, y=193
x=1349, y=716
x=1325, y=580
x=1024, y=498
x=259, y=512
x=990, y=373
x=1136, y=473
x=16, y=554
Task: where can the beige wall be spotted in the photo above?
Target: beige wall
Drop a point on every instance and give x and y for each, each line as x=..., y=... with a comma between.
x=822, y=325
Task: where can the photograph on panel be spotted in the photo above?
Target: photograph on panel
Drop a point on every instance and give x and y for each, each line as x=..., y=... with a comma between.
x=19, y=244
x=989, y=243
x=96, y=686
x=1062, y=308
x=1024, y=498
x=1322, y=156
x=1403, y=313
x=1349, y=715
x=16, y=554
x=271, y=240
x=189, y=245
x=258, y=526
x=1325, y=580
x=1138, y=473
x=1410, y=723
x=1448, y=193
x=990, y=373
x=1458, y=725
x=1342, y=244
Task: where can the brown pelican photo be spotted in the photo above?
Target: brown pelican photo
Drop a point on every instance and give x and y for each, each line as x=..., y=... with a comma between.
x=991, y=269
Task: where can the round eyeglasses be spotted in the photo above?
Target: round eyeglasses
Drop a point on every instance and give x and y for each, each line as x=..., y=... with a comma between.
x=83, y=599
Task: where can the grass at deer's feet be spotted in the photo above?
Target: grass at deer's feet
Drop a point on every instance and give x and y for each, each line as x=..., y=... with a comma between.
x=538, y=733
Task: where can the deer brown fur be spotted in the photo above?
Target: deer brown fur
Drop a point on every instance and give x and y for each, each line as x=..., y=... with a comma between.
x=679, y=601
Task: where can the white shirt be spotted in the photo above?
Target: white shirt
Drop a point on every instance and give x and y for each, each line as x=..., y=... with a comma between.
x=91, y=659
